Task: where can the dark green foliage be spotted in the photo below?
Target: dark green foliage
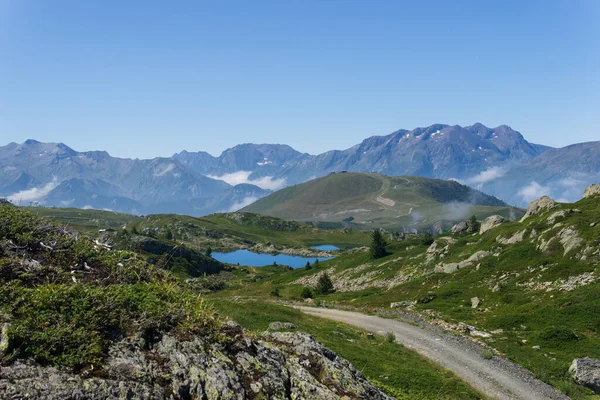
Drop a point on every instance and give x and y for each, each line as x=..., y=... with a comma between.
x=557, y=336
x=378, y=244
x=427, y=239
x=316, y=263
x=208, y=252
x=308, y=266
x=275, y=292
x=306, y=293
x=324, y=284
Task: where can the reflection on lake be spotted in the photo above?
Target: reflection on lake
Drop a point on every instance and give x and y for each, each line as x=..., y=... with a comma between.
x=248, y=258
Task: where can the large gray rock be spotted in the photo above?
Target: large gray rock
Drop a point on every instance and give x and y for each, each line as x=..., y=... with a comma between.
x=277, y=326
x=539, y=206
x=586, y=371
x=282, y=365
x=592, y=190
x=490, y=223
x=461, y=227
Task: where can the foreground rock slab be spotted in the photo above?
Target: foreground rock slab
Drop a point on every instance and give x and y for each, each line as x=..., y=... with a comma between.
x=281, y=365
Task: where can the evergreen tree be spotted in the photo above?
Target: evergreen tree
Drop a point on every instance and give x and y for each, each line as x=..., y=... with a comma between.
x=208, y=252
x=378, y=244
x=324, y=284
x=316, y=263
x=308, y=266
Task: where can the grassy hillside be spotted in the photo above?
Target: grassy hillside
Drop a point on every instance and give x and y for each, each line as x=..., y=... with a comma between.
x=373, y=200
x=537, y=283
x=220, y=231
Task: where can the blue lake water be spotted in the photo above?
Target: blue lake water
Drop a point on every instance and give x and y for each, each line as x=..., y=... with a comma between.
x=325, y=247
x=248, y=258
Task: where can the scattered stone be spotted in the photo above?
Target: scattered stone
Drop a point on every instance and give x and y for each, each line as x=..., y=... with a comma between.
x=496, y=288
x=539, y=206
x=481, y=334
x=586, y=371
x=593, y=224
x=370, y=336
x=497, y=331
x=475, y=302
x=398, y=304
x=562, y=213
x=277, y=326
x=536, y=347
x=490, y=223
x=591, y=190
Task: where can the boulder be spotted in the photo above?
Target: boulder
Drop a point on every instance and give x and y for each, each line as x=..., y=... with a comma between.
x=475, y=302
x=516, y=238
x=592, y=190
x=461, y=227
x=401, y=304
x=490, y=223
x=586, y=371
x=539, y=206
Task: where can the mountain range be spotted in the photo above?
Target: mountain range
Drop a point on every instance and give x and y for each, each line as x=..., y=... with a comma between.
x=499, y=161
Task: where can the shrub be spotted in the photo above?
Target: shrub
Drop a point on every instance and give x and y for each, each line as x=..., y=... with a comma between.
x=390, y=337
x=427, y=239
x=306, y=293
x=275, y=292
x=308, y=266
x=487, y=355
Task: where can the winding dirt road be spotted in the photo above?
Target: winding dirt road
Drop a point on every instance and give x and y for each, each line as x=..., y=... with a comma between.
x=496, y=378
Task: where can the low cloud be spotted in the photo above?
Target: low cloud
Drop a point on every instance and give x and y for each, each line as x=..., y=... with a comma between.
x=239, y=177
x=245, y=202
x=456, y=210
x=486, y=176
x=33, y=194
x=533, y=191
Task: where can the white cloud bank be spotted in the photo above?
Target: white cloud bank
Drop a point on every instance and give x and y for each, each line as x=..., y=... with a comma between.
x=486, y=176
x=245, y=202
x=533, y=191
x=33, y=194
x=239, y=177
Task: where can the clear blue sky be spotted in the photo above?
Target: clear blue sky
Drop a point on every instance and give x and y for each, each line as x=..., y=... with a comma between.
x=150, y=78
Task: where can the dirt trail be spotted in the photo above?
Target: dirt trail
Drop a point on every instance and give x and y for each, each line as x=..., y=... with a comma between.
x=496, y=378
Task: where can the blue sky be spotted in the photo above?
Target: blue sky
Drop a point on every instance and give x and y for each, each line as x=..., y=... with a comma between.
x=150, y=78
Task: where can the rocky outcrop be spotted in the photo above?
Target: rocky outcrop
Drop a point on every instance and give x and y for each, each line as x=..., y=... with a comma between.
x=490, y=223
x=280, y=365
x=439, y=248
x=539, y=206
x=516, y=238
x=461, y=227
x=592, y=190
x=586, y=371
x=455, y=266
x=4, y=338
x=561, y=214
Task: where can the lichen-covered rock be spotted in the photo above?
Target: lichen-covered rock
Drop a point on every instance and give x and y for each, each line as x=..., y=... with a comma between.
x=455, y=266
x=285, y=365
x=539, y=206
x=592, y=190
x=586, y=371
x=490, y=223
x=4, y=338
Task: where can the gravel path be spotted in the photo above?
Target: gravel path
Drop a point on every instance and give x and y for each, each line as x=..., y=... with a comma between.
x=496, y=378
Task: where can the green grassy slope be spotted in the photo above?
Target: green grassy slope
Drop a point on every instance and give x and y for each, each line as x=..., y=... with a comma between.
x=543, y=290
x=374, y=200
